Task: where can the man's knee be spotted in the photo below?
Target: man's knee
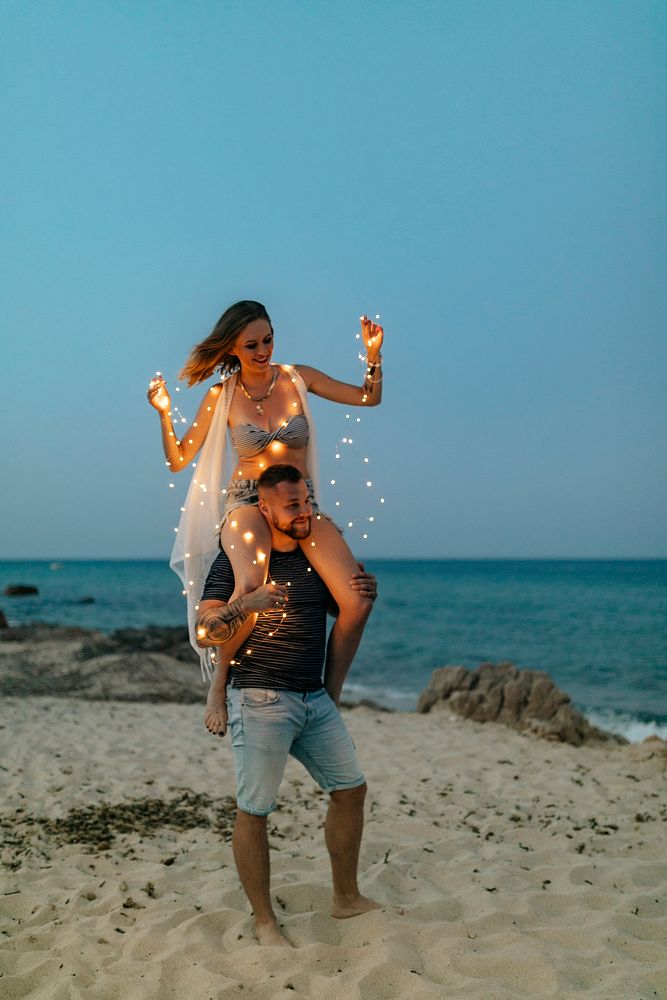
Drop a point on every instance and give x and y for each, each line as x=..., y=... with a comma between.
x=249, y=821
x=350, y=797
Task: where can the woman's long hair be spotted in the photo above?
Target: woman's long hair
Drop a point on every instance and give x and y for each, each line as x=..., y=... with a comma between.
x=212, y=353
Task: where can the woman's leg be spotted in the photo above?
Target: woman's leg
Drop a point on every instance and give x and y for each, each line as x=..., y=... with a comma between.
x=246, y=539
x=328, y=553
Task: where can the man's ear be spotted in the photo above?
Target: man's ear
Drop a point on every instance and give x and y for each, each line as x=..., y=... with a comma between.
x=263, y=506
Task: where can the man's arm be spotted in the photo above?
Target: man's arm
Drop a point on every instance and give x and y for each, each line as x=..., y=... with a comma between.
x=366, y=584
x=218, y=621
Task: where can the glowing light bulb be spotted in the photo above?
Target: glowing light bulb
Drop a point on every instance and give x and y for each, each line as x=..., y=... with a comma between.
x=333, y=482
x=337, y=455
x=365, y=536
x=368, y=482
x=261, y=556
x=234, y=524
x=350, y=523
x=381, y=499
x=248, y=536
x=171, y=486
x=365, y=460
x=201, y=633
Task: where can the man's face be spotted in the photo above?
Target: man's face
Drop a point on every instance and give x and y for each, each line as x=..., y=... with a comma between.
x=288, y=508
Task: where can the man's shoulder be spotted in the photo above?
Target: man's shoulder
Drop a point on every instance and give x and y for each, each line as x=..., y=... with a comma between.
x=219, y=575
x=221, y=563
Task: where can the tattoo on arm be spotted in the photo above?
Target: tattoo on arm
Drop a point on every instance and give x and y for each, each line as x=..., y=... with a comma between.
x=220, y=624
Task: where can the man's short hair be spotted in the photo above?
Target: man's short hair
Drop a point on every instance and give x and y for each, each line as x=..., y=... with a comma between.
x=276, y=474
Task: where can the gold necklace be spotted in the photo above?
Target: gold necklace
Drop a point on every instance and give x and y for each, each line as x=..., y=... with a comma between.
x=260, y=400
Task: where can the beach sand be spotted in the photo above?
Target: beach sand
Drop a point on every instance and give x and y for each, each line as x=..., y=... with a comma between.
x=526, y=868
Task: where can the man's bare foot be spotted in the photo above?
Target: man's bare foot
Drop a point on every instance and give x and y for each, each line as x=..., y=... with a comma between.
x=215, y=718
x=269, y=934
x=342, y=909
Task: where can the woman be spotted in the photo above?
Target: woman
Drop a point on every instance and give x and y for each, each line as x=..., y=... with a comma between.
x=266, y=410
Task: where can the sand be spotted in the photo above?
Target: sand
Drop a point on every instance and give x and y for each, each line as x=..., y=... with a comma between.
x=526, y=868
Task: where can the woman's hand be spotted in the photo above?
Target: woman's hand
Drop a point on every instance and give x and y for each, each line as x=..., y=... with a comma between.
x=373, y=336
x=158, y=395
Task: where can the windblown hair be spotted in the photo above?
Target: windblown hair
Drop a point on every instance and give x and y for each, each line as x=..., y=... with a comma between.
x=276, y=474
x=212, y=353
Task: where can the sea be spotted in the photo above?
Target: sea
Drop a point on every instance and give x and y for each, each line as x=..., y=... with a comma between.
x=597, y=627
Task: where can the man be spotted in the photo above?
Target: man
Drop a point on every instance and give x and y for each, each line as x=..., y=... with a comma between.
x=278, y=704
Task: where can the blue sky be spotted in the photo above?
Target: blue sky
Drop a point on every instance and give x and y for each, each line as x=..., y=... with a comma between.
x=487, y=176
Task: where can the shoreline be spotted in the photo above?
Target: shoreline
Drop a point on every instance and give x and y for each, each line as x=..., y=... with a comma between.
x=156, y=664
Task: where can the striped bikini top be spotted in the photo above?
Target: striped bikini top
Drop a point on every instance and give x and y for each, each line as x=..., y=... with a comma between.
x=250, y=440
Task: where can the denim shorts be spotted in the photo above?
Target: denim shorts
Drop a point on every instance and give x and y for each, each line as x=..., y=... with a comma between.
x=243, y=493
x=267, y=726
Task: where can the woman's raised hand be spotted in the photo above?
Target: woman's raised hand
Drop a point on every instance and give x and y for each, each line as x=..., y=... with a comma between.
x=157, y=393
x=373, y=335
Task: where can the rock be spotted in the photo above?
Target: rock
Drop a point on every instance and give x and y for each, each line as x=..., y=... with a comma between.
x=526, y=700
x=85, y=600
x=20, y=589
x=3, y=620
x=39, y=632
x=172, y=641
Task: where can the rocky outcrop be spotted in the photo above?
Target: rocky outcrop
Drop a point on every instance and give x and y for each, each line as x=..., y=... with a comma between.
x=20, y=589
x=151, y=664
x=526, y=700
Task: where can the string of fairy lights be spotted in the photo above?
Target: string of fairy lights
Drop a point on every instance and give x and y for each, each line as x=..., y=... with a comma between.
x=345, y=457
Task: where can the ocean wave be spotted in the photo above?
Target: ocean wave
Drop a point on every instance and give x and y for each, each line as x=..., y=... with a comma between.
x=633, y=728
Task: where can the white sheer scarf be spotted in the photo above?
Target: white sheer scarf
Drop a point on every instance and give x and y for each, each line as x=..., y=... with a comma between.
x=198, y=532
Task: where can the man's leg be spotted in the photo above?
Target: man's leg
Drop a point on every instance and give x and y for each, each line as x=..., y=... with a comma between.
x=262, y=725
x=342, y=832
x=251, y=854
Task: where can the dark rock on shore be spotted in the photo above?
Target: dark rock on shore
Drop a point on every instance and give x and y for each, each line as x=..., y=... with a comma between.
x=152, y=664
x=20, y=589
x=526, y=700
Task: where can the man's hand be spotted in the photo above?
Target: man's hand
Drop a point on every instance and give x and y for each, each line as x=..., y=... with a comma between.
x=268, y=597
x=365, y=583
x=218, y=621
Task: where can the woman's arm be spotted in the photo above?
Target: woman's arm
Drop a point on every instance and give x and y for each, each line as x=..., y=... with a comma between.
x=370, y=391
x=180, y=451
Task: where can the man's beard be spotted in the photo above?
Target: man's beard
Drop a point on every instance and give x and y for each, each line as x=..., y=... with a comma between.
x=292, y=529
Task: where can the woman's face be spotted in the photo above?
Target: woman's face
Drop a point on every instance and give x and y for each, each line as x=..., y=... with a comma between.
x=254, y=346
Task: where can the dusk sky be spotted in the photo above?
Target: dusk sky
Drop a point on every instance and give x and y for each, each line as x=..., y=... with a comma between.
x=489, y=177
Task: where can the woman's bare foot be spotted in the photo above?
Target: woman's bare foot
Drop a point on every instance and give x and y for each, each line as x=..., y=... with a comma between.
x=342, y=909
x=269, y=934
x=215, y=718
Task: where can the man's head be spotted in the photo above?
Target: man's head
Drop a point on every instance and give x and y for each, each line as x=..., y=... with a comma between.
x=283, y=500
